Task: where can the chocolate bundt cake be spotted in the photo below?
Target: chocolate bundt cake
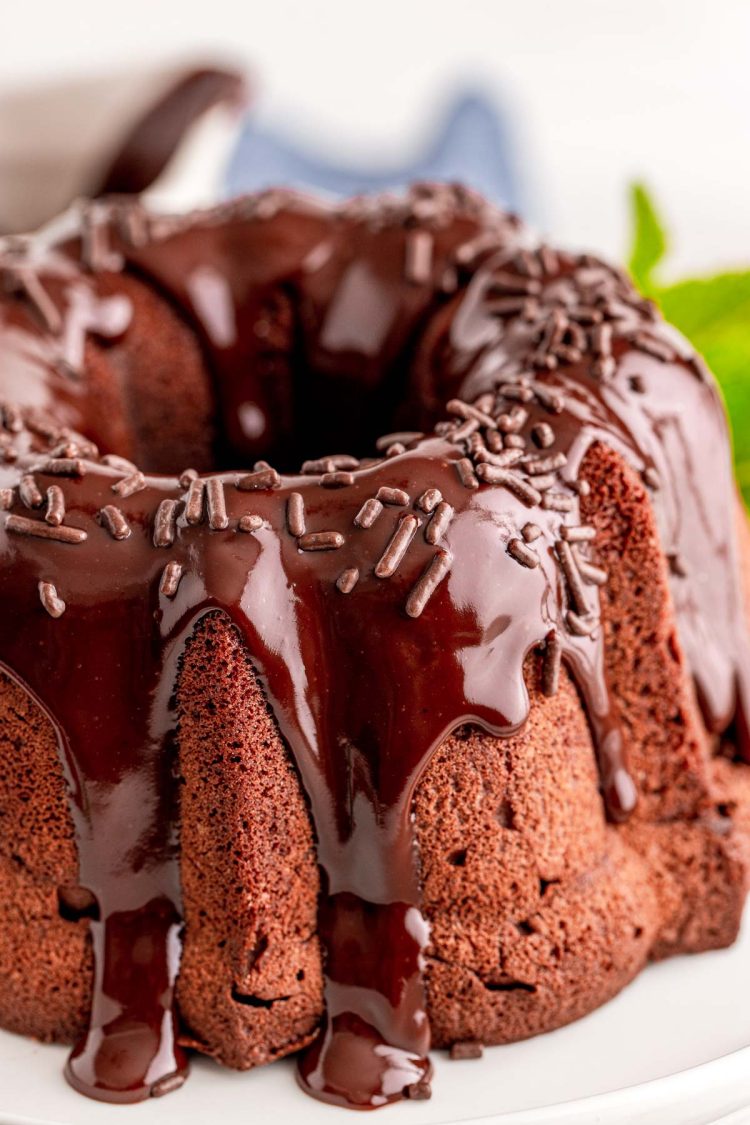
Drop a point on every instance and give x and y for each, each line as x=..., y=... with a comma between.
x=433, y=741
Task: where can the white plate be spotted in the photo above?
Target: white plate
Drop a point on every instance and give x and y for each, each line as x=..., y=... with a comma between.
x=673, y=1049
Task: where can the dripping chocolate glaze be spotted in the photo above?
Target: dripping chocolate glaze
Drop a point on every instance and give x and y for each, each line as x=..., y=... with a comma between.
x=374, y=636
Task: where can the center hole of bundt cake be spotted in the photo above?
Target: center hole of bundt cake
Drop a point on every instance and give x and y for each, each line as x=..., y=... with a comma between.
x=324, y=415
x=306, y=411
x=287, y=391
x=333, y=382
x=302, y=414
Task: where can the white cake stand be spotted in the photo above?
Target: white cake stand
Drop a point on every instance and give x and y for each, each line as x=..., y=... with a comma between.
x=673, y=1049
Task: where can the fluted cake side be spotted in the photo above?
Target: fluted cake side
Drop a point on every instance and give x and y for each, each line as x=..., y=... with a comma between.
x=436, y=740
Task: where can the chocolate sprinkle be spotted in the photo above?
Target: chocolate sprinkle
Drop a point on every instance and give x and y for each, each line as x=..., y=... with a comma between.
x=329, y=464
x=347, y=580
x=523, y=554
x=469, y=252
x=12, y=419
x=217, y=506
x=128, y=486
x=459, y=434
x=8, y=452
x=510, y=283
x=502, y=460
x=23, y=526
x=29, y=493
x=477, y=445
x=550, y=400
x=50, y=599
x=121, y=464
x=505, y=306
x=601, y=339
x=403, y=437
x=393, y=496
x=586, y=314
x=418, y=257
x=449, y=280
x=295, y=515
x=6, y=499
x=321, y=541
x=470, y=413
x=262, y=479
x=114, y=521
x=604, y=367
x=250, y=523
x=429, y=500
x=513, y=482
x=531, y=532
x=466, y=473
x=515, y=441
x=580, y=534
x=397, y=547
x=651, y=478
x=549, y=480
x=25, y=281
x=677, y=566
x=513, y=421
x=557, y=502
x=543, y=435
x=170, y=579
x=539, y=465
x=516, y=392
x=570, y=570
x=167, y=1085
x=551, y=664
x=419, y=1091
x=194, y=502
x=656, y=348
x=425, y=586
x=63, y=467
x=549, y=260
x=591, y=574
x=527, y=262
x=165, y=523
x=368, y=513
x=580, y=625
x=72, y=449
x=337, y=479
x=39, y=422
x=438, y=525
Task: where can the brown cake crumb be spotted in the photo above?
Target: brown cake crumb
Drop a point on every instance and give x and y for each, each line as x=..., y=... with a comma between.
x=467, y=1049
x=419, y=1091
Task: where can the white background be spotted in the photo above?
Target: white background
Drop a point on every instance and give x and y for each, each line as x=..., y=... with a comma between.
x=601, y=90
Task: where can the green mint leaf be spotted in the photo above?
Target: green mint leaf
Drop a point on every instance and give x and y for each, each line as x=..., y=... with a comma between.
x=649, y=240
x=709, y=306
x=712, y=312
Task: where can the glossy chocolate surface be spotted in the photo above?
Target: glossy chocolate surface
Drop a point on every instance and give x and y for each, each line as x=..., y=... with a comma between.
x=379, y=615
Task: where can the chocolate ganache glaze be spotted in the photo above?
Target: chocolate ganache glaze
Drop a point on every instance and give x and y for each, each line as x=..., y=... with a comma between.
x=383, y=601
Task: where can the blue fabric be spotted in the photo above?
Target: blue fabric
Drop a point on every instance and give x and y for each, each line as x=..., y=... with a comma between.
x=473, y=146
